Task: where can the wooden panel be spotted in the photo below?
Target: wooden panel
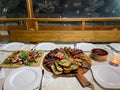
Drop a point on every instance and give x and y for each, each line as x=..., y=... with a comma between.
x=107, y=36
x=66, y=36
x=13, y=27
x=115, y=27
x=60, y=27
x=77, y=36
x=4, y=37
x=51, y=35
x=34, y=36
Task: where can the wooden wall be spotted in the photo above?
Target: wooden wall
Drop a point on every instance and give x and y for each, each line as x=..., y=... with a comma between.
x=65, y=36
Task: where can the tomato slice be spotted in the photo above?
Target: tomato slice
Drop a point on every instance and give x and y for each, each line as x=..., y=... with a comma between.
x=76, y=56
x=60, y=55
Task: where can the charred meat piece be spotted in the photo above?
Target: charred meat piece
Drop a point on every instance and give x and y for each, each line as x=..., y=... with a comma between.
x=48, y=64
x=85, y=64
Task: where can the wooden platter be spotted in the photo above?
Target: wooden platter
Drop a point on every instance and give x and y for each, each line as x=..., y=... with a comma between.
x=50, y=59
x=84, y=69
x=53, y=56
x=31, y=63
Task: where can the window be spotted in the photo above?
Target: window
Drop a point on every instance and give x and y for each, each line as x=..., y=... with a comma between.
x=76, y=8
x=13, y=8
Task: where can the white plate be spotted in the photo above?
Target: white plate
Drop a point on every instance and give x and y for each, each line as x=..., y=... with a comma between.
x=2, y=73
x=65, y=45
x=3, y=56
x=12, y=46
x=24, y=78
x=107, y=76
x=116, y=46
x=85, y=46
x=45, y=46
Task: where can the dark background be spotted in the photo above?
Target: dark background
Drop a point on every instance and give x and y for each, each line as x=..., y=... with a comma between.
x=61, y=8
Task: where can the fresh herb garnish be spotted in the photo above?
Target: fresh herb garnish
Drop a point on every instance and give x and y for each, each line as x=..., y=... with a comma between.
x=24, y=55
x=29, y=63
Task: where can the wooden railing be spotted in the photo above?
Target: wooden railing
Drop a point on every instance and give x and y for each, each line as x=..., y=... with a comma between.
x=33, y=23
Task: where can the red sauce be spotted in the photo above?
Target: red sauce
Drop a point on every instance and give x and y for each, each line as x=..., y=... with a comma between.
x=100, y=52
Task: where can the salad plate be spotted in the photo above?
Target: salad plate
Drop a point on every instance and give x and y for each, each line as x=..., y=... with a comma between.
x=13, y=46
x=85, y=46
x=107, y=76
x=24, y=78
x=21, y=58
x=45, y=46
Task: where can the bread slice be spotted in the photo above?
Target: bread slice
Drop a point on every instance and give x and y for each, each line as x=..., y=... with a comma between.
x=71, y=67
x=65, y=62
x=55, y=71
x=58, y=67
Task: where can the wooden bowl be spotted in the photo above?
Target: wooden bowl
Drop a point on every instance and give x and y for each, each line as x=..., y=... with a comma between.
x=99, y=54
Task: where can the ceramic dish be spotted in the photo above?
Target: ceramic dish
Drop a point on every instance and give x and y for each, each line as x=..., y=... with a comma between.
x=99, y=54
x=45, y=46
x=24, y=78
x=107, y=76
x=12, y=46
x=85, y=46
x=115, y=46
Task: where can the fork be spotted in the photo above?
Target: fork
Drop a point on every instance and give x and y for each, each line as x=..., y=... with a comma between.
x=40, y=87
x=112, y=49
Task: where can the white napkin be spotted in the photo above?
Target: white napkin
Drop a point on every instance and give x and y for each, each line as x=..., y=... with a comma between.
x=47, y=76
x=2, y=73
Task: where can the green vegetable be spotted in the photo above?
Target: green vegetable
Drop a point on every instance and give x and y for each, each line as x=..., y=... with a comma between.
x=5, y=62
x=67, y=54
x=24, y=55
x=39, y=52
x=29, y=63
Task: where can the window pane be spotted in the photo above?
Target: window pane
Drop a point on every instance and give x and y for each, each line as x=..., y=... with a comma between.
x=13, y=8
x=47, y=8
x=76, y=8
